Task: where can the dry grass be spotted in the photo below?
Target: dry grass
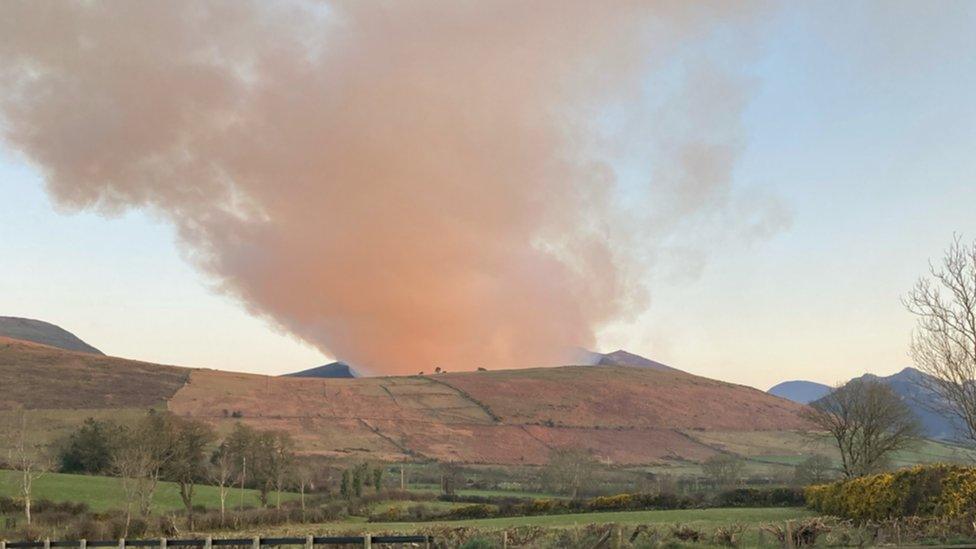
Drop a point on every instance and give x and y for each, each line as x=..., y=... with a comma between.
x=39, y=377
x=624, y=415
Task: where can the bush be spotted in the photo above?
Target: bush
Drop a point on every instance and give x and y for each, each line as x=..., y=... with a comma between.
x=947, y=491
x=759, y=497
x=471, y=512
x=478, y=543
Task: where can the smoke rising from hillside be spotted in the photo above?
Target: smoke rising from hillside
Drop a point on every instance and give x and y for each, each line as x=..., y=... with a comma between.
x=400, y=184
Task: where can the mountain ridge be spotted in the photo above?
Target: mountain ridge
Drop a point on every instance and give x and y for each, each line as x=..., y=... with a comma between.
x=44, y=333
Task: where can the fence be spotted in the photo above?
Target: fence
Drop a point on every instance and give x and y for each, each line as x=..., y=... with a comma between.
x=309, y=542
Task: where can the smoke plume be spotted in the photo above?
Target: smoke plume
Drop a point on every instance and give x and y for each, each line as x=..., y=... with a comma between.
x=401, y=184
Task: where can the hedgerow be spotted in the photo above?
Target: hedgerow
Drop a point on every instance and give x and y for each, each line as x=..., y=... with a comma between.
x=947, y=491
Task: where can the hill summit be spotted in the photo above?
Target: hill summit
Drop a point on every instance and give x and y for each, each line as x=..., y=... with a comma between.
x=332, y=370
x=45, y=333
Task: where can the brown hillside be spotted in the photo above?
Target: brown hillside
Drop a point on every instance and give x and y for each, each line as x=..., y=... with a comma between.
x=36, y=376
x=624, y=415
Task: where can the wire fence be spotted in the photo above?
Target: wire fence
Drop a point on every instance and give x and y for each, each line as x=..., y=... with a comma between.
x=308, y=542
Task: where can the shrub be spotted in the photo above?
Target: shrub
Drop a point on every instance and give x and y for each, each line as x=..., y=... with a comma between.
x=471, y=512
x=728, y=535
x=686, y=533
x=758, y=497
x=935, y=490
x=478, y=543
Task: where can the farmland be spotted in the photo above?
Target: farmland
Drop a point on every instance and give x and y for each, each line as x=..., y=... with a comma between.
x=105, y=493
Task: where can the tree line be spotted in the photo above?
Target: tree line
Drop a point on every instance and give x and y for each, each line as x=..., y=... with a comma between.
x=164, y=446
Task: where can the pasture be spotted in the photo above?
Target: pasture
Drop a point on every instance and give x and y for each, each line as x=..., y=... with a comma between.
x=105, y=493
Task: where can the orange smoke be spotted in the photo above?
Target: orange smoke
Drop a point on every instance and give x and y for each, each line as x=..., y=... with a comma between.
x=402, y=184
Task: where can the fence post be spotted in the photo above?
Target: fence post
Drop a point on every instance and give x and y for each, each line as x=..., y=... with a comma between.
x=3, y=544
x=163, y=542
x=121, y=543
x=505, y=539
x=308, y=541
x=256, y=542
x=82, y=544
x=208, y=542
x=368, y=541
x=47, y=543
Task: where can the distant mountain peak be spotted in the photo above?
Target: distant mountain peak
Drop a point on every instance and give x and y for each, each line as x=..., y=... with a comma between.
x=44, y=333
x=332, y=370
x=620, y=357
x=909, y=383
x=801, y=391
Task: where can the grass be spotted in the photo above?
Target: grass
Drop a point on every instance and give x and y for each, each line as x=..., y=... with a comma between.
x=706, y=520
x=104, y=493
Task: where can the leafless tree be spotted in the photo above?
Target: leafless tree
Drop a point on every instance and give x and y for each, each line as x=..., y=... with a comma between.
x=303, y=476
x=186, y=460
x=26, y=456
x=723, y=469
x=222, y=473
x=570, y=470
x=944, y=342
x=867, y=421
x=142, y=454
x=815, y=469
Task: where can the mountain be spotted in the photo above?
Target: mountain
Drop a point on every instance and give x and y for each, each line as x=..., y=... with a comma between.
x=38, y=331
x=625, y=415
x=330, y=370
x=803, y=392
x=619, y=358
x=908, y=384
x=623, y=358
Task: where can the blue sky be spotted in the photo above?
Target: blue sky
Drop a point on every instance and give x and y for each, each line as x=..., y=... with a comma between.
x=867, y=133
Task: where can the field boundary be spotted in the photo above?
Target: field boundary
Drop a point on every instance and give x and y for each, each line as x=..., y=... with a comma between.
x=484, y=407
x=366, y=540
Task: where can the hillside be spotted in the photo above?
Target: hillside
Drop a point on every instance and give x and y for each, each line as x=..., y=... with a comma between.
x=37, y=331
x=41, y=377
x=625, y=415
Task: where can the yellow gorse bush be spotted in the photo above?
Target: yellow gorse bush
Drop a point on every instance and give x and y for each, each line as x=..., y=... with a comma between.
x=947, y=491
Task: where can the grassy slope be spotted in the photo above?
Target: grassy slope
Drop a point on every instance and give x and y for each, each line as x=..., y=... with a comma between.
x=104, y=493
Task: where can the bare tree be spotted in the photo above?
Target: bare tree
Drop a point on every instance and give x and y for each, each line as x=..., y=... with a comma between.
x=815, y=469
x=26, y=458
x=570, y=470
x=222, y=472
x=724, y=470
x=944, y=342
x=141, y=456
x=867, y=421
x=186, y=461
x=303, y=475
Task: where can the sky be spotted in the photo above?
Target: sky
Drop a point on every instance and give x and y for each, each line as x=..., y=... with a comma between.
x=861, y=129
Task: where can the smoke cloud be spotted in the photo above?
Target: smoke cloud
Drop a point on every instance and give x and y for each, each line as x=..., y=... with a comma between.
x=401, y=184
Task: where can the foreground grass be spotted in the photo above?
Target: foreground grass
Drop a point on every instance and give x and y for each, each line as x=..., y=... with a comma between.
x=105, y=493
x=706, y=519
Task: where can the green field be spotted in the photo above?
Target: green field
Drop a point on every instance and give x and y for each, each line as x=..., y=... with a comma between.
x=705, y=520
x=104, y=493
